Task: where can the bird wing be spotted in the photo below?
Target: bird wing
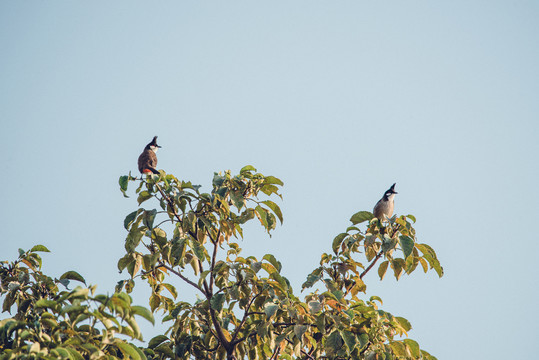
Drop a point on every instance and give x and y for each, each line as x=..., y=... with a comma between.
x=147, y=160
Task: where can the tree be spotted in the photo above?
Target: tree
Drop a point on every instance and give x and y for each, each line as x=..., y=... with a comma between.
x=247, y=308
x=70, y=324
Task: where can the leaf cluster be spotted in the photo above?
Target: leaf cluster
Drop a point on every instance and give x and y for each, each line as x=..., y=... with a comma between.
x=71, y=324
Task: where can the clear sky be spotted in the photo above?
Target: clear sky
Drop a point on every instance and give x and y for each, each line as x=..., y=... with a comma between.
x=339, y=99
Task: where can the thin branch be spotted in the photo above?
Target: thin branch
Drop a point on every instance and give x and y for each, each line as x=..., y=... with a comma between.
x=256, y=313
x=245, y=315
x=302, y=351
x=378, y=256
x=291, y=324
x=276, y=352
x=182, y=277
x=213, y=258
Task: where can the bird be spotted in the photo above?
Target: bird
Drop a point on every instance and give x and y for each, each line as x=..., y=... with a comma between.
x=147, y=161
x=384, y=207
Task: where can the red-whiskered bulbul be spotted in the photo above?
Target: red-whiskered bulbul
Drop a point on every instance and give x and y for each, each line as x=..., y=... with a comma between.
x=147, y=161
x=384, y=207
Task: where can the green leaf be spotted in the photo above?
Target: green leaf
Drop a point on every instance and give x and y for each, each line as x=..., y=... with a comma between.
x=411, y=217
x=349, y=339
x=45, y=303
x=315, y=306
x=338, y=241
x=382, y=269
x=237, y=199
x=273, y=261
x=73, y=275
x=334, y=342
x=247, y=168
x=270, y=309
x=413, y=347
x=130, y=218
x=262, y=215
x=143, y=196
x=363, y=341
x=299, y=330
x=145, y=313
x=217, y=302
x=148, y=218
x=426, y=250
x=407, y=245
x=171, y=289
x=398, y=267
x=361, y=216
x=312, y=278
x=404, y=323
x=160, y=236
x=275, y=208
x=198, y=249
x=157, y=341
x=123, y=181
x=398, y=348
x=273, y=180
x=164, y=348
x=128, y=350
x=39, y=248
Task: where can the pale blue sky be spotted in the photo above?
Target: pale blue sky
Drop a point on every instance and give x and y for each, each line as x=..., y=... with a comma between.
x=338, y=99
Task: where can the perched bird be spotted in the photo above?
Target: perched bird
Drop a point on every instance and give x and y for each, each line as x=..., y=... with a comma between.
x=384, y=207
x=147, y=161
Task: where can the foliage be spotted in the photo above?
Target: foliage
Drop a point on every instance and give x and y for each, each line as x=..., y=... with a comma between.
x=247, y=308
x=69, y=324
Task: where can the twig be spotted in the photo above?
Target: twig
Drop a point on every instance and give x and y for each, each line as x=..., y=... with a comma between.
x=378, y=256
x=245, y=315
x=182, y=277
x=214, y=256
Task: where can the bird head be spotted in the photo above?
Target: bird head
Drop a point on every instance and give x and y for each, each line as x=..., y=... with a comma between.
x=153, y=145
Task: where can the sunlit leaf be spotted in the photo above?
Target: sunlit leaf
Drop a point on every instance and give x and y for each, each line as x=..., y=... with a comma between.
x=143, y=196
x=398, y=348
x=128, y=350
x=157, y=340
x=404, y=323
x=247, y=168
x=41, y=248
x=275, y=208
x=145, y=313
x=413, y=347
x=272, y=260
x=273, y=180
x=382, y=269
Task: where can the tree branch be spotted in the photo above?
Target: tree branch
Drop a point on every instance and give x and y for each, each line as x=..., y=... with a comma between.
x=378, y=256
x=245, y=315
x=182, y=277
x=302, y=351
x=213, y=258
